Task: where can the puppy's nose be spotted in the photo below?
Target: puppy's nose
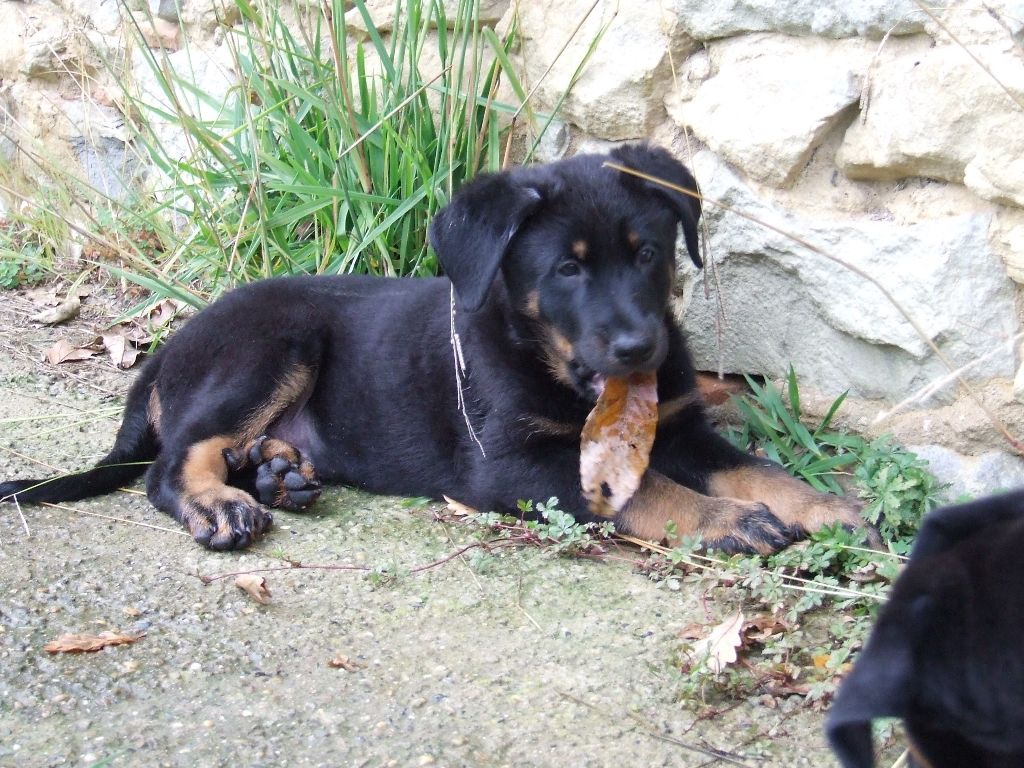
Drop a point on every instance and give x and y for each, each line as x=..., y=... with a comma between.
x=632, y=348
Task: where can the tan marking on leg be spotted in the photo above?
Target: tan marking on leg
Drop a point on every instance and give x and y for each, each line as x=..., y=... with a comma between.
x=579, y=249
x=657, y=502
x=660, y=501
x=154, y=411
x=793, y=501
x=672, y=408
x=272, y=447
x=287, y=391
x=205, y=469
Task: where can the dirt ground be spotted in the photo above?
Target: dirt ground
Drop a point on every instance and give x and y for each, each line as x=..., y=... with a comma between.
x=519, y=658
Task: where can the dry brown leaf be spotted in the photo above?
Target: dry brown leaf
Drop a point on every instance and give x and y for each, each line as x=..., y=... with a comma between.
x=344, y=662
x=719, y=647
x=162, y=313
x=64, y=352
x=46, y=297
x=458, y=508
x=66, y=310
x=762, y=627
x=255, y=586
x=121, y=350
x=615, y=447
x=86, y=643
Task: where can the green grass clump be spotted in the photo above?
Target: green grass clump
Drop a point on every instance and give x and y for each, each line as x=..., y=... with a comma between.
x=333, y=152
x=30, y=244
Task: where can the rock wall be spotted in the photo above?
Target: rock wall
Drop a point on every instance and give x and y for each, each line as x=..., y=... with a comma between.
x=885, y=133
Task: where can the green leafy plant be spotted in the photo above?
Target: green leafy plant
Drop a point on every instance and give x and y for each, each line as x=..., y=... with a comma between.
x=833, y=569
x=546, y=526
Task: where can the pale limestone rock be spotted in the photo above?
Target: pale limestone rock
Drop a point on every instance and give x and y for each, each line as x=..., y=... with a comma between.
x=1018, y=380
x=46, y=49
x=1008, y=241
x=12, y=39
x=972, y=476
x=773, y=100
x=207, y=15
x=619, y=93
x=711, y=19
x=213, y=74
x=784, y=305
x=382, y=13
x=936, y=113
x=102, y=15
x=160, y=34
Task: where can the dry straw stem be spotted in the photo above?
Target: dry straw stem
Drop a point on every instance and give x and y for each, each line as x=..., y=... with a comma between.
x=931, y=14
x=116, y=519
x=572, y=35
x=796, y=583
x=716, y=755
x=932, y=387
x=1015, y=443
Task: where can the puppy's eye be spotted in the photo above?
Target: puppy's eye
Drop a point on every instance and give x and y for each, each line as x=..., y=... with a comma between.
x=646, y=254
x=569, y=268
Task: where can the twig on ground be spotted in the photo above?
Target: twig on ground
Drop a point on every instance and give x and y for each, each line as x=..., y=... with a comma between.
x=716, y=755
x=115, y=519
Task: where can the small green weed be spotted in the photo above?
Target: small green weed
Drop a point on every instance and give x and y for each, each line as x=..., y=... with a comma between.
x=28, y=247
x=551, y=529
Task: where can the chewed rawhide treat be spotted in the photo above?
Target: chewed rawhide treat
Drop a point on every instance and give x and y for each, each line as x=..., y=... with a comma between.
x=615, y=446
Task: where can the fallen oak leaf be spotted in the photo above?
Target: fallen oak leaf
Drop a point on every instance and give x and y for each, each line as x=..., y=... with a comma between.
x=122, y=352
x=87, y=643
x=255, y=586
x=719, y=647
x=615, y=445
x=761, y=628
x=458, y=508
x=66, y=310
x=64, y=352
x=344, y=662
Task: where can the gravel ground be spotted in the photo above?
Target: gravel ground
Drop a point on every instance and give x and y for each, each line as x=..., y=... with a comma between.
x=517, y=659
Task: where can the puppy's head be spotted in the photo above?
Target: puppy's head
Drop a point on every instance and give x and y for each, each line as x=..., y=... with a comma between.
x=585, y=255
x=946, y=655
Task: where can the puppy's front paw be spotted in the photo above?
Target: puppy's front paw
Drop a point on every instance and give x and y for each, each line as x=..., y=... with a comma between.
x=225, y=519
x=827, y=510
x=744, y=527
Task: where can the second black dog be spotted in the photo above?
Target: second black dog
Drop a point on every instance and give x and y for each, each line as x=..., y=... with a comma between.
x=947, y=654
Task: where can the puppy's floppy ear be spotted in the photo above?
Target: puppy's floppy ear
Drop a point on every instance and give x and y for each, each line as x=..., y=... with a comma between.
x=657, y=162
x=472, y=234
x=879, y=686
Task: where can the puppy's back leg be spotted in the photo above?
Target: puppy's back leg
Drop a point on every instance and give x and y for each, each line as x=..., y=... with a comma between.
x=276, y=473
x=191, y=486
x=203, y=440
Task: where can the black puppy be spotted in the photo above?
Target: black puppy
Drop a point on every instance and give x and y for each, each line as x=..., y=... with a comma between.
x=946, y=654
x=476, y=388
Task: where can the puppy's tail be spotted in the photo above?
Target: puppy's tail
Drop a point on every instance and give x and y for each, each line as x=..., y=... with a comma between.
x=134, y=448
